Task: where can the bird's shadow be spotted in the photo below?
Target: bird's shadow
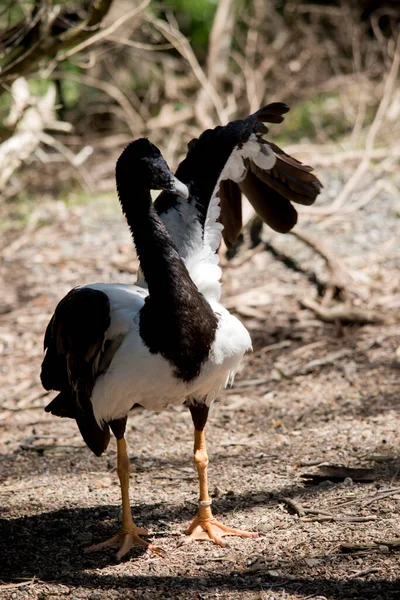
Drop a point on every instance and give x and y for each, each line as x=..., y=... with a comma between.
x=54, y=542
x=50, y=547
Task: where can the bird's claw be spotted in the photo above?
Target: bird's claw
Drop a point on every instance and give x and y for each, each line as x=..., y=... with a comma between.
x=125, y=540
x=210, y=529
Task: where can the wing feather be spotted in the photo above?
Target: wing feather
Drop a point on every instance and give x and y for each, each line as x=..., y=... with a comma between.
x=291, y=178
x=274, y=209
x=74, y=342
x=230, y=197
x=220, y=165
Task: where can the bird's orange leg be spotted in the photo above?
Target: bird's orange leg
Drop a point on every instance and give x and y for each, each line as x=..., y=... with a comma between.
x=129, y=534
x=205, y=526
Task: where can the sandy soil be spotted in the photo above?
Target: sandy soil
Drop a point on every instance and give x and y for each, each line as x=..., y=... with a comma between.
x=306, y=397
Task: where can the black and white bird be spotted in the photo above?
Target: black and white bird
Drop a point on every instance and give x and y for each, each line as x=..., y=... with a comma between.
x=168, y=340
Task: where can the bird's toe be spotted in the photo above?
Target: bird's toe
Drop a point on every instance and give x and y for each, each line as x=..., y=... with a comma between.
x=212, y=530
x=125, y=541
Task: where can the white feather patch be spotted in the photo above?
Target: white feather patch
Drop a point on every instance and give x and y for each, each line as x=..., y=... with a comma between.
x=201, y=260
x=199, y=248
x=259, y=152
x=130, y=376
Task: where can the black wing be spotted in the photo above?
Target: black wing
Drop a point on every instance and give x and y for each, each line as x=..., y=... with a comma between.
x=74, y=343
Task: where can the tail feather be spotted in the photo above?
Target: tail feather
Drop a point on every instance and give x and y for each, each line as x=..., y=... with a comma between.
x=97, y=437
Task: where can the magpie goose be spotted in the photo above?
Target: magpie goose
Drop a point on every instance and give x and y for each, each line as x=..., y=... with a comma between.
x=219, y=166
x=103, y=341
x=109, y=347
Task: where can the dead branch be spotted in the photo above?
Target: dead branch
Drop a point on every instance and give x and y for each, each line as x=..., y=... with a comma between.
x=394, y=544
x=357, y=548
x=376, y=125
x=220, y=42
x=363, y=573
x=336, y=282
x=311, y=365
x=42, y=35
x=12, y=586
x=296, y=506
x=327, y=156
x=321, y=515
x=217, y=59
x=108, y=31
x=334, y=519
x=182, y=45
x=341, y=313
x=169, y=117
x=29, y=116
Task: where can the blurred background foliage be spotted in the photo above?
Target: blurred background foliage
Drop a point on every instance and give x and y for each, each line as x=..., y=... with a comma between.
x=116, y=69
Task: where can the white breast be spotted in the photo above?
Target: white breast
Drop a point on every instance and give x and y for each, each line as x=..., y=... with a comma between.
x=137, y=376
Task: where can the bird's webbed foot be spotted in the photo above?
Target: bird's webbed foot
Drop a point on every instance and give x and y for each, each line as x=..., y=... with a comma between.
x=206, y=527
x=124, y=540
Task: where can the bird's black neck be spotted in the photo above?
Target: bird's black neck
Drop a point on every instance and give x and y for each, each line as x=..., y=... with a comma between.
x=176, y=320
x=160, y=262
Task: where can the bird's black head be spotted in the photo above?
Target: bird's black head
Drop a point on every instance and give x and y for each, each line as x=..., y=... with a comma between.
x=141, y=165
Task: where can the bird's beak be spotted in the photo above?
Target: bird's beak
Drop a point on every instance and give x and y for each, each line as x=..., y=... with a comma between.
x=179, y=188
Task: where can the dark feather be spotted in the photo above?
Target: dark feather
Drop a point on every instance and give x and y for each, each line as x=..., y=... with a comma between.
x=291, y=178
x=272, y=113
x=96, y=438
x=73, y=342
x=231, y=211
x=274, y=209
x=54, y=374
x=63, y=406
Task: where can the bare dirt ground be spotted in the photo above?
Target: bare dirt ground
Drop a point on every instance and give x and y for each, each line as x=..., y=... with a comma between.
x=305, y=397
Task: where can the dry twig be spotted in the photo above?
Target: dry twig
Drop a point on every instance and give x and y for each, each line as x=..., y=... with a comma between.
x=183, y=46
x=104, y=33
x=11, y=586
x=296, y=506
x=376, y=125
x=337, y=277
x=217, y=59
x=341, y=313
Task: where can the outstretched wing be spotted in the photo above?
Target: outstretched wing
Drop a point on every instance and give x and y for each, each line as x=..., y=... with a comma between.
x=219, y=156
x=271, y=185
x=76, y=346
x=202, y=170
